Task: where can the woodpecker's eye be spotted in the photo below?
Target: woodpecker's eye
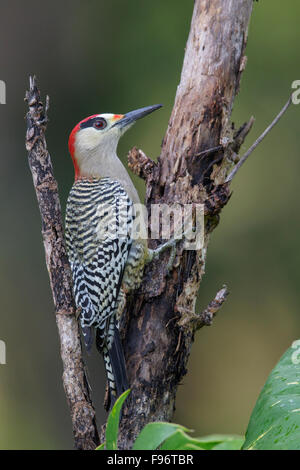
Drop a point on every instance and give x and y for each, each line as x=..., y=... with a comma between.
x=100, y=124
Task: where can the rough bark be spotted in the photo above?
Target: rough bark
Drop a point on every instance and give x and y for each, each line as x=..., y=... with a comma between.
x=198, y=151
x=74, y=378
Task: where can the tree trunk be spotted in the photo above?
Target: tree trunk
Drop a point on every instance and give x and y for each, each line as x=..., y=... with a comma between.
x=198, y=151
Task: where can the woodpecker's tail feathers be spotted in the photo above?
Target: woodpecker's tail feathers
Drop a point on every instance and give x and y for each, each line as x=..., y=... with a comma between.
x=115, y=367
x=88, y=337
x=118, y=364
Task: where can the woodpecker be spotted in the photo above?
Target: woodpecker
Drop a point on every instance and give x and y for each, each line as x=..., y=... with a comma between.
x=106, y=262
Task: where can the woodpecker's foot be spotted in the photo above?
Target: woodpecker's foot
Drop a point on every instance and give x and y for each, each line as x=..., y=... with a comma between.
x=155, y=254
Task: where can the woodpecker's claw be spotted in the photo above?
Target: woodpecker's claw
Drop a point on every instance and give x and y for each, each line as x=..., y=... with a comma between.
x=154, y=254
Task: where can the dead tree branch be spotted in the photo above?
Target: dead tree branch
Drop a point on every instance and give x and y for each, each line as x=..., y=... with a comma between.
x=205, y=318
x=74, y=378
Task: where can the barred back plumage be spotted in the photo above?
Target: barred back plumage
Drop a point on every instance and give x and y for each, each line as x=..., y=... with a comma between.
x=99, y=221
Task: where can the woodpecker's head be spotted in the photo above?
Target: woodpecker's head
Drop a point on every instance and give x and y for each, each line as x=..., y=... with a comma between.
x=95, y=139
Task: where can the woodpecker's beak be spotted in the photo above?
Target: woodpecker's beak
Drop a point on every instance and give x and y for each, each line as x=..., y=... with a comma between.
x=133, y=116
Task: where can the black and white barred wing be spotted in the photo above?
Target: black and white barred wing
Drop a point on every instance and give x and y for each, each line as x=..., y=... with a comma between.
x=99, y=242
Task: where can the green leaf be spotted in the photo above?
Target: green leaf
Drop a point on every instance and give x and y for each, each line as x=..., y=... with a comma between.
x=275, y=420
x=154, y=434
x=234, y=444
x=179, y=440
x=101, y=447
x=112, y=426
x=221, y=441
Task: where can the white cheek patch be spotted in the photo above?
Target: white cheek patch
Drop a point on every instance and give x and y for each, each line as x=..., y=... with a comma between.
x=87, y=139
x=90, y=143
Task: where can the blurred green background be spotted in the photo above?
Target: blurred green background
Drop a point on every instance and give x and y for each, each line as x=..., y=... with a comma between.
x=99, y=56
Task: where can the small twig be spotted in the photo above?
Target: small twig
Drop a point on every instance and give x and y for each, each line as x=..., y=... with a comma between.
x=209, y=151
x=140, y=164
x=258, y=141
x=205, y=318
x=74, y=378
x=241, y=134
